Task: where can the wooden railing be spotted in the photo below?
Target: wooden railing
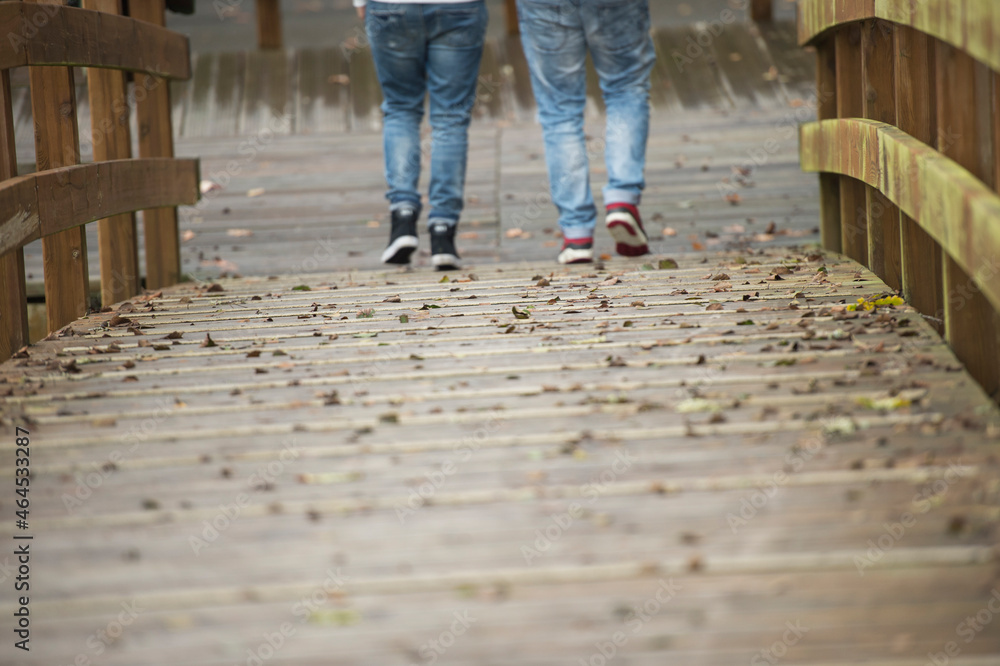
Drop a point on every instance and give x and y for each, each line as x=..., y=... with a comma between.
x=908, y=147
x=63, y=195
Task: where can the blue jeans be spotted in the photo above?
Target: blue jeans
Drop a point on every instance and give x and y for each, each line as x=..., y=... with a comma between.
x=556, y=35
x=419, y=49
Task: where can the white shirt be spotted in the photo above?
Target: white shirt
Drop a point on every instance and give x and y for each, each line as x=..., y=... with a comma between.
x=362, y=3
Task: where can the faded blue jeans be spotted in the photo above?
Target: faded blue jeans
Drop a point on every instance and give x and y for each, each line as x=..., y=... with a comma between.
x=556, y=35
x=420, y=49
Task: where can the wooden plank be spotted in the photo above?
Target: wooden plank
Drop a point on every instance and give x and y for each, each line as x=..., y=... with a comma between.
x=972, y=325
x=695, y=76
x=269, y=35
x=366, y=94
x=51, y=34
x=850, y=104
x=916, y=114
x=826, y=108
x=156, y=139
x=13, y=304
x=972, y=26
x=111, y=137
x=879, y=84
x=510, y=13
x=761, y=11
x=57, y=144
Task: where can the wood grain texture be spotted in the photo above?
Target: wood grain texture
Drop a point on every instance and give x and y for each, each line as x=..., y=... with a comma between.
x=879, y=85
x=269, y=34
x=972, y=325
x=916, y=114
x=57, y=144
x=111, y=140
x=850, y=104
x=49, y=34
x=510, y=15
x=13, y=309
x=762, y=10
x=156, y=139
x=972, y=26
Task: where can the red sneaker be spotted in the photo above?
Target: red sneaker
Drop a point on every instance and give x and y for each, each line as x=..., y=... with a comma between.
x=625, y=225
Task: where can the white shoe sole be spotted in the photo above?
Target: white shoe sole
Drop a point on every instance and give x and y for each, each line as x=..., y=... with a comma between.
x=574, y=256
x=444, y=261
x=399, y=250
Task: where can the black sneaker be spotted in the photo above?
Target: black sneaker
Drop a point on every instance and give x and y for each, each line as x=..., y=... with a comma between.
x=443, y=253
x=403, y=239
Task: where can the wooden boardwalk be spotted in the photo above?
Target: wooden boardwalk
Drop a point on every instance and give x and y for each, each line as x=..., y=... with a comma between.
x=326, y=462
x=331, y=475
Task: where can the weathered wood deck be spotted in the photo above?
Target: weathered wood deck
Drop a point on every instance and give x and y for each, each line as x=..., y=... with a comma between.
x=344, y=469
x=745, y=437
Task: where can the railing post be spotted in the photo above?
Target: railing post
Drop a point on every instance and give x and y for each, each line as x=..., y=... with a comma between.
x=826, y=109
x=510, y=7
x=13, y=299
x=156, y=139
x=853, y=212
x=879, y=84
x=57, y=144
x=109, y=116
x=916, y=114
x=971, y=323
x=762, y=10
x=269, y=34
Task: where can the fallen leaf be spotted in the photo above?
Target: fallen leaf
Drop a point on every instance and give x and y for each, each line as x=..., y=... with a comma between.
x=519, y=314
x=208, y=341
x=255, y=192
x=714, y=306
x=187, y=235
x=239, y=233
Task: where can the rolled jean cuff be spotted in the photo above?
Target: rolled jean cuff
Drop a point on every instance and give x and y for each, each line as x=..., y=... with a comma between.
x=577, y=232
x=613, y=196
x=404, y=203
x=442, y=220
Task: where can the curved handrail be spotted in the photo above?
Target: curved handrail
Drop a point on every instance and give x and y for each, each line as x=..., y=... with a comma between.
x=953, y=206
x=43, y=34
x=970, y=25
x=47, y=202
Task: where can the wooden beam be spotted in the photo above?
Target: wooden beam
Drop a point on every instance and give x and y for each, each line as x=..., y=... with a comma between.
x=972, y=326
x=916, y=114
x=853, y=208
x=761, y=11
x=57, y=144
x=826, y=108
x=44, y=33
x=957, y=209
x=49, y=202
x=156, y=139
x=110, y=137
x=268, y=24
x=510, y=9
x=879, y=85
x=972, y=26
x=13, y=301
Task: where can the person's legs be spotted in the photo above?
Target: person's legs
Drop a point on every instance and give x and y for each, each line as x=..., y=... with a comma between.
x=398, y=45
x=554, y=45
x=454, y=50
x=623, y=54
